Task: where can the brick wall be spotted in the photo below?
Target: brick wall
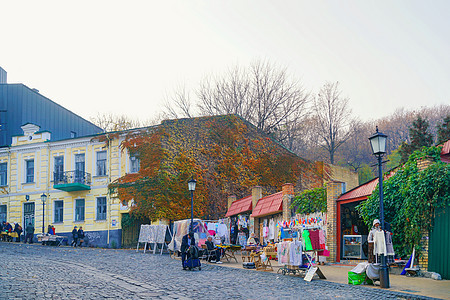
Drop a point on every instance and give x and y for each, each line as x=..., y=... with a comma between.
x=254, y=222
x=287, y=191
x=231, y=199
x=334, y=190
x=423, y=259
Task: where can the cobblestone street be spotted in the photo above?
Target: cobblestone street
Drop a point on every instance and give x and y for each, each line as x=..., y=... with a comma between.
x=43, y=272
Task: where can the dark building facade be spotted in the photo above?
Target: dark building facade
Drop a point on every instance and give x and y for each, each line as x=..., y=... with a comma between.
x=20, y=105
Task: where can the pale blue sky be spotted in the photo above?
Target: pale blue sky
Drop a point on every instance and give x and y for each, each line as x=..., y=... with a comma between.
x=124, y=56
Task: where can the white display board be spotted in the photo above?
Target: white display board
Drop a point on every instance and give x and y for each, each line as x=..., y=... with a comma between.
x=153, y=234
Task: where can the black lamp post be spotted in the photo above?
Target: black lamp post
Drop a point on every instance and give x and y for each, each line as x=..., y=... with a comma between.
x=378, y=144
x=43, y=199
x=191, y=185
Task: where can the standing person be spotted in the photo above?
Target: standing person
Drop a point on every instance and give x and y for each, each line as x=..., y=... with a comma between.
x=81, y=236
x=49, y=229
x=74, y=236
x=29, y=233
x=18, y=230
x=53, y=230
x=187, y=241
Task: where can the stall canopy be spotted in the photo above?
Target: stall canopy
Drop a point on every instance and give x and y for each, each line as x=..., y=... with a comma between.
x=240, y=206
x=269, y=205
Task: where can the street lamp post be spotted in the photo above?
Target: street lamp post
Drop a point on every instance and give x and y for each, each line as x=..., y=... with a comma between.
x=43, y=199
x=191, y=185
x=378, y=144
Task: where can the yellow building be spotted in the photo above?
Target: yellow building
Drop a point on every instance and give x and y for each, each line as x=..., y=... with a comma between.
x=74, y=175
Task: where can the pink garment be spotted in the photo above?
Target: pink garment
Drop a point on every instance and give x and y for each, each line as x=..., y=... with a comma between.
x=321, y=237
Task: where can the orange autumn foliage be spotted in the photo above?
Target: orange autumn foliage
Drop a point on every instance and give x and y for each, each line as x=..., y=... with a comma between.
x=225, y=154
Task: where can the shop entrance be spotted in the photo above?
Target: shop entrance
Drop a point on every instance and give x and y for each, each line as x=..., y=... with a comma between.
x=28, y=215
x=353, y=233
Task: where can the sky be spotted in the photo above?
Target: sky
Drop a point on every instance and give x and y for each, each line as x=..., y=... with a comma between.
x=125, y=57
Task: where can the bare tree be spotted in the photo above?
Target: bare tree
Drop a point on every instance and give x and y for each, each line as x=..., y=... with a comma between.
x=178, y=104
x=262, y=94
x=333, y=117
x=111, y=122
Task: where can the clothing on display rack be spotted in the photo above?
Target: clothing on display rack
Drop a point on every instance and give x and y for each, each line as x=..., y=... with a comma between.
x=314, y=237
x=271, y=229
x=306, y=241
x=379, y=243
x=290, y=253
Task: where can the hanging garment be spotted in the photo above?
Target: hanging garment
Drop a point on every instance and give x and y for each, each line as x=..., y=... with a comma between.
x=265, y=232
x=314, y=236
x=307, y=240
x=295, y=253
x=271, y=230
x=321, y=239
x=285, y=253
x=389, y=244
x=379, y=243
x=242, y=239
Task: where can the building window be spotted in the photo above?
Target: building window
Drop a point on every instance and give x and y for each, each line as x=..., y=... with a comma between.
x=29, y=170
x=59, y=169
x=344, y=187
x=101, y=163
x=79, y=210
x=3, y=174
x=79, y=168
x=2, y=213
x=59, y=211
x=101, y=208
x=135, y=164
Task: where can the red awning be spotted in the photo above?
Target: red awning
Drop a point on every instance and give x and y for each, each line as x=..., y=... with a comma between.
x=240, y=206
x=269, y=205
x=364, y=190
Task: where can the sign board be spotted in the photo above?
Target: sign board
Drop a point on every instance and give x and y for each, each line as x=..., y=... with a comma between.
x=114, y=222
x=313, y=270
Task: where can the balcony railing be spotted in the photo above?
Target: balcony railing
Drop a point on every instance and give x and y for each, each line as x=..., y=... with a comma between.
x=72, y=181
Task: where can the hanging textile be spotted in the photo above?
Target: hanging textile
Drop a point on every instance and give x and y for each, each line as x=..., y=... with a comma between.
x=307, y=240
x=379, y=243
x=295, y=253
x=271, y=230
x=314, y=237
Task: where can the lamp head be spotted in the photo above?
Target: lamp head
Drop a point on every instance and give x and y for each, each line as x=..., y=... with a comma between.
x=378, y=143
x=43, y=197
x=191, y=184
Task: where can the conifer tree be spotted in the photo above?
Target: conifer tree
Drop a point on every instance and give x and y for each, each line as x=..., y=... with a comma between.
x=443, y=131
x=419, y=136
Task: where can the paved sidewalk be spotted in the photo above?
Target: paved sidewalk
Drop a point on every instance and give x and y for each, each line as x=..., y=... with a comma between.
x=338, y=273
x=44, y=272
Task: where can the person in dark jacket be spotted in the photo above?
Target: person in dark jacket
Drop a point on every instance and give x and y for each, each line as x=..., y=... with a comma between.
x=18, y=230
x=213, y=249
x=80, y=236
x=75, y=236
x=29, y=233
x=187, y=241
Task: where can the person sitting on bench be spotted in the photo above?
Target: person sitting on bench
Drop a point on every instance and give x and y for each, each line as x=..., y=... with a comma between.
x=213, y=249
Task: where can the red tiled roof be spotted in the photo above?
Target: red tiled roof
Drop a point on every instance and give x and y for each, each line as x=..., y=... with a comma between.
x=360, y=191
x=269, y=205
x=445, y=152
x=240, y=206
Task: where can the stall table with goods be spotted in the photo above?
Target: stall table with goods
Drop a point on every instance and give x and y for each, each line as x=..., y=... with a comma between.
x=230, y=251
x=51, y=240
